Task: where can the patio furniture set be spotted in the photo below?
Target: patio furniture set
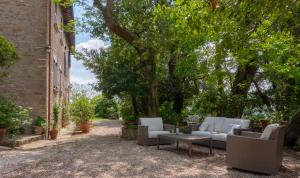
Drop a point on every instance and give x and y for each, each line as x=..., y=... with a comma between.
x=246, y=150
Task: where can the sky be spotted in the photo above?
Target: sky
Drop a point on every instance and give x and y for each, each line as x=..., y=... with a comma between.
x=79, y=74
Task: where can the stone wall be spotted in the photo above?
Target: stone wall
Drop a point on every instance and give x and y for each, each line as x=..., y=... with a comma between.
x=60, y=49
x=24, y=23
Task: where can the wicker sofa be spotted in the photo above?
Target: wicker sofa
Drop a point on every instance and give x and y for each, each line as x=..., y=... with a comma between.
x=149, y=128
x=218, y=128
x=252, y=153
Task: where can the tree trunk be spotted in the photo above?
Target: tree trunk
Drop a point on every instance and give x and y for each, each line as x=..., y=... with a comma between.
x=293, y=130
x=134, y=106
x=148, y=67
x=242, y=82
x=178, y=96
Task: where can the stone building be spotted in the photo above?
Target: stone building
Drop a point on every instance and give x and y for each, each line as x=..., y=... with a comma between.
x=41, y=77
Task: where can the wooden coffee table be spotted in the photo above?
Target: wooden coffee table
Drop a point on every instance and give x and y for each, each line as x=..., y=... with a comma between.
x=186, y=138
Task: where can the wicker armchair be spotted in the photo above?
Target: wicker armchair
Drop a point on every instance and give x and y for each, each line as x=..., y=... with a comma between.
x=249, y=152
x=150, y=128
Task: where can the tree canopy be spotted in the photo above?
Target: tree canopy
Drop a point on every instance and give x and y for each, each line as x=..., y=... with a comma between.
x=226, y=58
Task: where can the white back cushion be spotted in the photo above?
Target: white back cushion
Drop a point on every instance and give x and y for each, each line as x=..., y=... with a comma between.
x=211, y=123
x=219, y=122
x=228, y=124
x=204, y=126
x=233, y=126
x=153, y=123
x=266, y=135
x=244, y=123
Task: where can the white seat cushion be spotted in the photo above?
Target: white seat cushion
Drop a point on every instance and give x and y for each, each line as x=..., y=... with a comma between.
x=154, y=123
x=153, y=134
x=266, y=135
x=202, y=133
x=219, y=136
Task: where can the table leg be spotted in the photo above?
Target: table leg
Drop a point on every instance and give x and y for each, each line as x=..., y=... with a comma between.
x=210, y=146
x=158, y=143
x=177, y=145
x=190, y=149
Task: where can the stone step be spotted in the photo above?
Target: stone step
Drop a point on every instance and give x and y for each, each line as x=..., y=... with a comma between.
x=21, y=140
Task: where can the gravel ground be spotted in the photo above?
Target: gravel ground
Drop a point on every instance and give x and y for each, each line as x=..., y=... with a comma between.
x=102, y=153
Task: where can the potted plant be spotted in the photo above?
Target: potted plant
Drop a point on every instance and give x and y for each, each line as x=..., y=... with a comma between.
x=129, y=129
x=39, y=126
x=2, y=132
x=54, y=131
x=12, y=116
x=265, y=122
x=81, y=110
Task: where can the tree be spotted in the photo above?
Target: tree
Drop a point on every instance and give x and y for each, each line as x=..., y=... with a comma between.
x=8, y=56
x=135, y=37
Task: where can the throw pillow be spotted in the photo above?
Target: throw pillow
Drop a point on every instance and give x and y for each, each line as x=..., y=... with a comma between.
x=233, y=126
x=203, y=126
x=268, y=131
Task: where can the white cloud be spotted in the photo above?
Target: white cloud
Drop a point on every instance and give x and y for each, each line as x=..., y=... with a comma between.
x=79, y=74
x=92, y=44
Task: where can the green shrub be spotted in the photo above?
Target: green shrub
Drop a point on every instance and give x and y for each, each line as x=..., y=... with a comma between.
x=126, y=114
x=81, y=110
x=8, y=56
x=132, y=126
x=169, y=116
x=106, y=108
x=41, y=122
x=12, y=116
x=55, y=116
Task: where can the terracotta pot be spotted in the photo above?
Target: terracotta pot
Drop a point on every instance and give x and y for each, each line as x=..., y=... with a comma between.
x=264, y=123
x=85, y=127
x=2, y=133
x=38, y=130
x=53, y=134
x=283, y=123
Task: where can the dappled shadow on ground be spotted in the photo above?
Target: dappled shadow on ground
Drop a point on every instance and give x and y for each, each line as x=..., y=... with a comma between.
x=103, y=154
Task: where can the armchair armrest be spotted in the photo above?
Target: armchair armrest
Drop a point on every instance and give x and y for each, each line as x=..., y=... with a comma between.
x=250, y=134
x=169, y=127
x=239, y=131
x=142, y=135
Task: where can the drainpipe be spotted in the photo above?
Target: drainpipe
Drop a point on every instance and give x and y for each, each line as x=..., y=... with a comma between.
x=49, y=64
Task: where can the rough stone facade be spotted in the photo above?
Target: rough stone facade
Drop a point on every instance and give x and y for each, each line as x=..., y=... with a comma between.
x=25, y=23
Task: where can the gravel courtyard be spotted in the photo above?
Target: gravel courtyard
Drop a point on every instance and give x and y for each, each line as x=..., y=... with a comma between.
x=102, y=153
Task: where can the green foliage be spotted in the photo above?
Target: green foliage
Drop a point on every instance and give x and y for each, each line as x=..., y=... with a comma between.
x=56, y=112
x=168, y=115
x=65, y=3
x=105, y=107
x=13, y=116
x=132, y=126
x=240, y=60
x=81, y=110
x=8, y=56
x=41, y=122
x=126, y=113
